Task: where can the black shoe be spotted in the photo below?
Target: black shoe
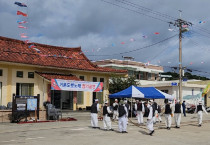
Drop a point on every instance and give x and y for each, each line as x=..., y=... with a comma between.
x=111, y=129
x=168, y=128
x=124, y=132
x=151, y=132
x=199, y=125
x=94, y=127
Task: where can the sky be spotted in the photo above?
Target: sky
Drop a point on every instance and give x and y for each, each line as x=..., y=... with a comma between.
x=112, y=29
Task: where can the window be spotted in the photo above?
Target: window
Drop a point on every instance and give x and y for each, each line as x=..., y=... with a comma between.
x=80, y=97
x=1, y=72
x=130, y=73
x=165, y=91
x=141, y=75
x=24, y=89
x=30, y=74
x=94, y=79
x=101, y=79
x=100, y=97
x=82, y=78
x=20, y=74
x=149, y=76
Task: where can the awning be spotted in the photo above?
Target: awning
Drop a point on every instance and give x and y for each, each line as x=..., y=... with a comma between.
x=49, y=76
x=140, y=92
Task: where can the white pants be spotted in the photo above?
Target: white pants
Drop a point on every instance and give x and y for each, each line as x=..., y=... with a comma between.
x=94, y=119
x=122, y=123
x=150, y=124
x=168, y=120
x=159, y=117
x=115, y=114
x=200, y=117
x=155, y=118
x=107, y=122
x=177, y=117
x=140, y=117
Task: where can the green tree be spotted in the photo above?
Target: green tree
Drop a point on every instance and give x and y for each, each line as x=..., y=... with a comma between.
x=117, y=83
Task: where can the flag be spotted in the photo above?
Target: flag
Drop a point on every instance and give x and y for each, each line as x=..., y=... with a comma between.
x=132, y=39
x=31, y=46
x=21, y=22
x=156, y=33
x=20, y=4
x=184, y=26
x=23, y=35
x=21, y=13
x=22, y=27
x=27, y=41
x=122, y=42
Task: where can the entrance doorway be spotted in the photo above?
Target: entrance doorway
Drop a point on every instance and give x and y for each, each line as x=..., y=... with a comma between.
x=62, y=99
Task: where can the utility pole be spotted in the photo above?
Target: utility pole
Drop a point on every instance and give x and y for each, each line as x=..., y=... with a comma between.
x=180, y=24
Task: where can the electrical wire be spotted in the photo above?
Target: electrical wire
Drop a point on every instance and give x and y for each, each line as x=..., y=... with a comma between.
x=139, y=48
x=134, y=11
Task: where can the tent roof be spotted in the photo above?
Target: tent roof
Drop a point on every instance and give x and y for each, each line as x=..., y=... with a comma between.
x=140, y=92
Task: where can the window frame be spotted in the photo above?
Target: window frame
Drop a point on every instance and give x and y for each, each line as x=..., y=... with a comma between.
x=18, y=75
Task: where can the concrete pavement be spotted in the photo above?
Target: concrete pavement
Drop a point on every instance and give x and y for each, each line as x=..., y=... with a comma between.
x=80, y=133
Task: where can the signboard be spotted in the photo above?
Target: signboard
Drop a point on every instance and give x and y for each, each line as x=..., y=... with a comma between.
x=174, y=84
x=31, y=104
x=70, y=85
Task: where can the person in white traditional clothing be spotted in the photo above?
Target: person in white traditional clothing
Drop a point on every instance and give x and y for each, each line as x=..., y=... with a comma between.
x=177, y=113
x=155, y=108
x=168, y=113
x=159, y=114
x=106, y=117
x=150, y=115
x=199, y=109
x=128, y=108
x=123, y=114
x=139, y=107
x=115, y=108
x=94, y=114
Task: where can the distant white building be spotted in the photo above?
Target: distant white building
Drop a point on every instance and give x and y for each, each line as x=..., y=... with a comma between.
x=190, y=90
x=144, y=73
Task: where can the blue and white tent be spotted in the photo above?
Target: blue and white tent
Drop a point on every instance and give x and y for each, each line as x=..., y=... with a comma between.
x=140, y=92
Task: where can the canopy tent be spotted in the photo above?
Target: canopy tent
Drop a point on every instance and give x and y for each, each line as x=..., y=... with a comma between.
x=140, y=92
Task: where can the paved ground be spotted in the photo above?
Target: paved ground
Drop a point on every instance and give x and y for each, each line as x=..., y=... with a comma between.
x=80, y=133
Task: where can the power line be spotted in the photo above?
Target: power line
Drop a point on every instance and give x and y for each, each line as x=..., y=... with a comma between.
x=135, y=11
x=146, y=9
x=138, y=48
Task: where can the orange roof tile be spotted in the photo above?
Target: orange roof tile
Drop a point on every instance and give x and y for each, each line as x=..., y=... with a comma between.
x=12, y=50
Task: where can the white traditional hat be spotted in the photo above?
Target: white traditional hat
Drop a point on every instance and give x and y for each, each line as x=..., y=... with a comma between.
x=106, y=102
x=200, y=102
x=96, y=100
x=151, y=101
x=115, y=100
x=125, y=101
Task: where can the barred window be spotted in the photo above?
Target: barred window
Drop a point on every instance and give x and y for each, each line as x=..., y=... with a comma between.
x=80, y=97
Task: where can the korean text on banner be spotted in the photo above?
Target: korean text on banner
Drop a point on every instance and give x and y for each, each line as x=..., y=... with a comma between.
x=70, y=85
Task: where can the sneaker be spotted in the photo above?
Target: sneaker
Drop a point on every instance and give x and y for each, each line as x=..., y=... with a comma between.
x=168, y=128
